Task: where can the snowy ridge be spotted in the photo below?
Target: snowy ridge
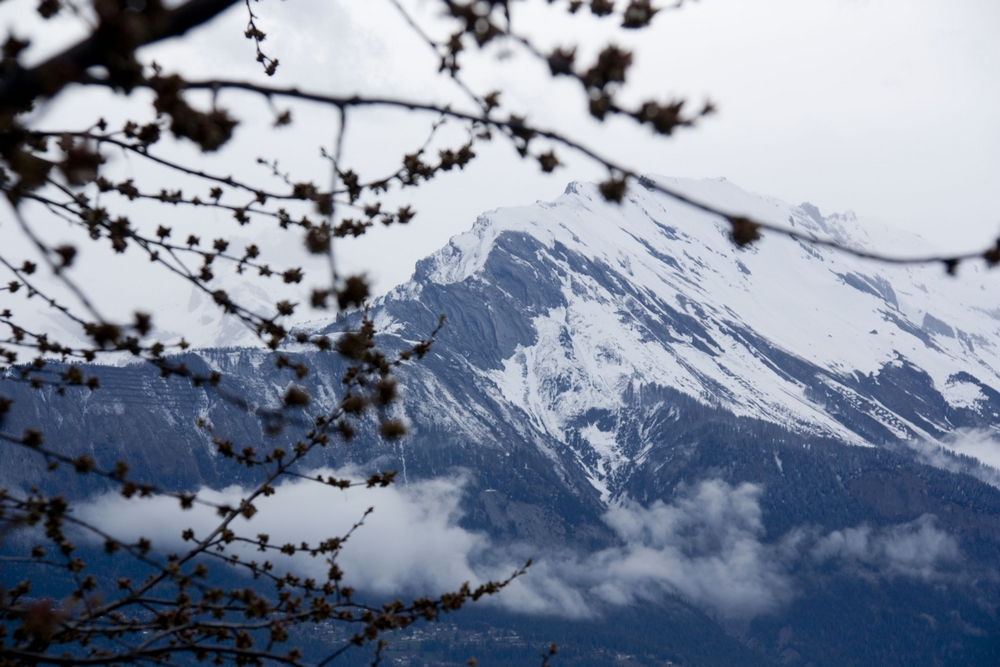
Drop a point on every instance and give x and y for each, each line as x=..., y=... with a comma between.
x=654, y=293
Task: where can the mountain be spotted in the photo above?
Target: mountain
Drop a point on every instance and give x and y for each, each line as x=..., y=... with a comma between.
x=771, y=455
x=599, y=301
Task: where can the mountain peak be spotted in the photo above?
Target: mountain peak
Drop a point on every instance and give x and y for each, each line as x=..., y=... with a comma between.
x=590, y=300
x=581, y=218
x=812, y=211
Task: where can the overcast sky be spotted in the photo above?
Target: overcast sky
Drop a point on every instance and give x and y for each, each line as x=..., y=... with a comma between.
x=884, y=107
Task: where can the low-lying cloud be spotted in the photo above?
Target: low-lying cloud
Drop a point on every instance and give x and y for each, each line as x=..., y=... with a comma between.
x=975, y=452
x=705, y=547
x=411, y=539
x=708, y=546
x=914, y=549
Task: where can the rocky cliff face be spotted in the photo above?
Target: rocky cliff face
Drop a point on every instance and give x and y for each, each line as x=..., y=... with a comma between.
x=627, y=392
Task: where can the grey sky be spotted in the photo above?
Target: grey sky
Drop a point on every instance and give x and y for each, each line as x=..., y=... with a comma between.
x=885, y=107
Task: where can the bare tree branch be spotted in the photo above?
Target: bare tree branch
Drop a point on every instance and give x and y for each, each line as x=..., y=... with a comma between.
x=20, y=88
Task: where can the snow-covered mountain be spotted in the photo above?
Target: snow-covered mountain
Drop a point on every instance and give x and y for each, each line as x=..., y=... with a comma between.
x=752, y=450
x=583, y=303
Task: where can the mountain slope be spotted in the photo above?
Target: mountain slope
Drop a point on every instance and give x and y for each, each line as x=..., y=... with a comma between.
x=565, y=310
x=733, y=438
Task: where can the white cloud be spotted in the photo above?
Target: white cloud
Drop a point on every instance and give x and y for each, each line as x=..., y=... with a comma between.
x=914, y=549
x=974, y=452
x=707, y=546
x=981, y=445
x=411, y=540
